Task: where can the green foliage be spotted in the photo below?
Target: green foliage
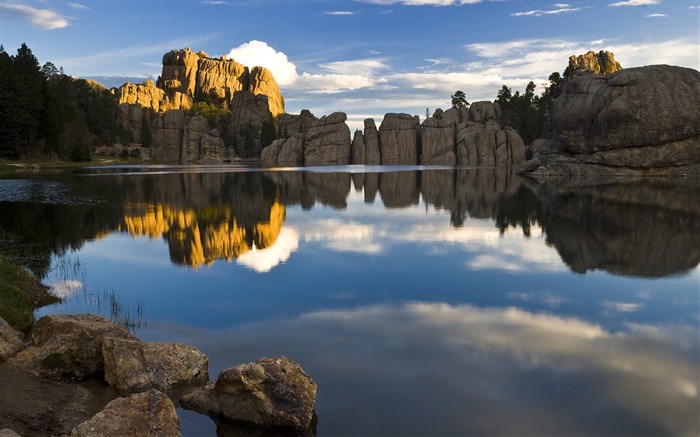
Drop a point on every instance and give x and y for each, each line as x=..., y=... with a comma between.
x=216, y=116
x=44, y=111
x=145, y=135
x=459, y=100
x=268, y=133
x=527, y=113
x=20, y=294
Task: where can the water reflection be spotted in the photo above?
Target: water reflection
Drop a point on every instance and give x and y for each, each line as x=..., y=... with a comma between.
x=637, y=227
x=547, y=374
x=630, y=227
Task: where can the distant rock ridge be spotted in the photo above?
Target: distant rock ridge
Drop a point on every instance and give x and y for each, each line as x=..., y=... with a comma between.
x=457, y=136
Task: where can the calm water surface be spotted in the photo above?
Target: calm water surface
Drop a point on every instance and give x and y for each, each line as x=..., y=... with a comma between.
x=421, y=301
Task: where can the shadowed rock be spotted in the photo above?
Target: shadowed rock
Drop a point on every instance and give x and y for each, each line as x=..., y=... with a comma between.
x=145, y=414
x=639, y=121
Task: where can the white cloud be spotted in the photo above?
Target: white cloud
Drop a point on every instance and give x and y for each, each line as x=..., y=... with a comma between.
x=258, y=53
x=657, y=16
x=623, y=307
x=263, y=260
x=42, y=18
x=78, y=6
x=215, y=2
x=635, y=3
x=358, y=67
x=422, y=2
x=331, y=83
x=539, y=12
x=344, y=236
x=339, y=13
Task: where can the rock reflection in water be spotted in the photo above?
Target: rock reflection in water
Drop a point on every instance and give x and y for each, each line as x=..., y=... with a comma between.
x=626, y=226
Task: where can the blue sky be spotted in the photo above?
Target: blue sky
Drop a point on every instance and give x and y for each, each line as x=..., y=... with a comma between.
x=363, y=57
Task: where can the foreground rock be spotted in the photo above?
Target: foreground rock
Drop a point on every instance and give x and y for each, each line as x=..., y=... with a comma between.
x=10, y=341
x=145, y=414
x=271, y=393
x=133, y=366
x=639, y=121
x=69, y=345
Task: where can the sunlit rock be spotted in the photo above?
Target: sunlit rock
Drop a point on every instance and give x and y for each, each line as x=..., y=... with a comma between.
x=134, y=366
x=271, y=393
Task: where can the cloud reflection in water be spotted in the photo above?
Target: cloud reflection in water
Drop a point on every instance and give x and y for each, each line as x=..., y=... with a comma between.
x=507, y=371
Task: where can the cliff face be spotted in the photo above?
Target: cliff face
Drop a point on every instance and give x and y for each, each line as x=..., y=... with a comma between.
x=638, y=121
x=473, y=136
x=250, y=97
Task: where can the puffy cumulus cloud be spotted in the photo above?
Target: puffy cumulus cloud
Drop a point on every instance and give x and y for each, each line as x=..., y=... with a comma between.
x=482, y=362
x=42, y=18
x=635, y=3
x=258, y=53
x=263, y=260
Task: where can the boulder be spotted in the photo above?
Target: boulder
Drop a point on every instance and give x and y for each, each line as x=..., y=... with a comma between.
x=134, y=366
x=271, y=393
x=10, y=341
x=145, y=414
x=6, y=432
x=69, y=345
x=328, y=141
x=398, y=139
x=638, y=121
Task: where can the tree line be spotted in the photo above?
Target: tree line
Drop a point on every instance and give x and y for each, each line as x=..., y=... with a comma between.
x=527, y=113
x=45, y=112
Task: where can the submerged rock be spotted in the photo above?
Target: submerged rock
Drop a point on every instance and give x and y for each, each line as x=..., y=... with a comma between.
x=132, y=365
x=271, y=393
x=145, y=414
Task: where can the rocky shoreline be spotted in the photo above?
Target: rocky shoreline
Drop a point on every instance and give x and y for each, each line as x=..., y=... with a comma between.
x=82, y=375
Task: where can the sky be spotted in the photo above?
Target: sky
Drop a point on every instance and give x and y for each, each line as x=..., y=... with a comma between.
x=362, y=57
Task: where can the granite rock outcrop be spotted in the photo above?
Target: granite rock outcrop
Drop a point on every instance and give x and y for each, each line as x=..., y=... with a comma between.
x=245, y=99
x=474, y=136
x=637, y=121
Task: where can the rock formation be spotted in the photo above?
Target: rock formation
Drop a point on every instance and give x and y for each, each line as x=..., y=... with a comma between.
x=602, y=62
x=10, y=341
x=246, y=98
x=638, y=121
x=473, y=136
x=271, y=393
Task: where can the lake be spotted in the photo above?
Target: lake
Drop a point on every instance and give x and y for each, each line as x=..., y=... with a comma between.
x=422, y=301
